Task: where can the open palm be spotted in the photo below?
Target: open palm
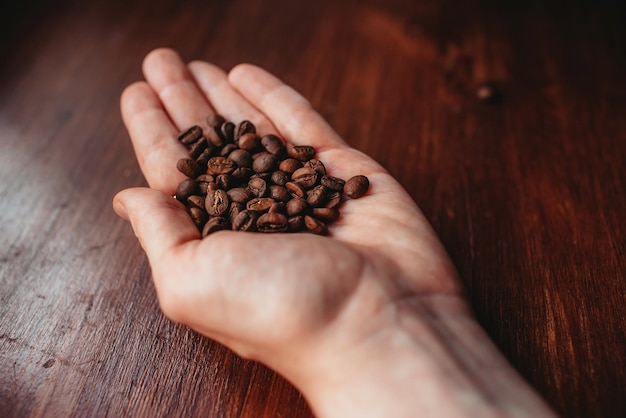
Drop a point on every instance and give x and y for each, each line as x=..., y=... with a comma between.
x=271, y=297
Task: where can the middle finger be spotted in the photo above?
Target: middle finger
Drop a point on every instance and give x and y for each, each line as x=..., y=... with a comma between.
x=170, y=79
x=228, y=102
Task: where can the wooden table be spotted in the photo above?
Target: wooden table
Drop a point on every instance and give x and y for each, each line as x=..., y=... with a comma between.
x=527, y=193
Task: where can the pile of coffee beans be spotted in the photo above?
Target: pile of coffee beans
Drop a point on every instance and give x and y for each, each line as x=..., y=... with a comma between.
x=239, y=180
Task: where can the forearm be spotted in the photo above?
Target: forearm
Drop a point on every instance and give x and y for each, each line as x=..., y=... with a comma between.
x=430, y=364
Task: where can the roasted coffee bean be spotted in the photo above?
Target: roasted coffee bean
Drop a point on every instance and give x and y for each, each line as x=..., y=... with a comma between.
x=203, y=181
x=220, y=165
x=214, y=136
x=242, y=174
x=277, y=207
x=239, y=195
x=279, y=193
x=290, y=165
x=295, y=223
x=244, y=127
x=198, y=216
x=325, y=214
x=280, y=177
x=301, y=152
x=203, y=158
x=191, y=135
x=257, y=187
x=272, y=222
x=305, y=177
x=227, y=132
x=189, y=167
x=241, y=157
x=273, y=145
x=356, y=186
x=315, y=226
x=217, y=202
x=215, y=120
x=196, y=201
x=318, y=166
x=228, y=148
x=260, y=204
x=234, y=210
x=215, y=224
x=186, y=188
x=317, y=196
x=225, y=181
x=296, y=206
x=245, y=221
x=295, y=189
x=333, y=183
x=265, y=163
x=333, y=200
x=198, y=148
x=249, y=142
x=265, y=176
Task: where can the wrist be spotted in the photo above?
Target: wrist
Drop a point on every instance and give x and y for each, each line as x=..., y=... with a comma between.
x=431, y=358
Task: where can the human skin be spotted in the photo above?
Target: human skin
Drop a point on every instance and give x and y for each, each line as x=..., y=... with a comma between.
x=369, y=321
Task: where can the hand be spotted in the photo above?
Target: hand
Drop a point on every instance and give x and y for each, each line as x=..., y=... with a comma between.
x=316, y=309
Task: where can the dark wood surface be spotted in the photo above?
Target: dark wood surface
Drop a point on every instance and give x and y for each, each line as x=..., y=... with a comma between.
x=526, y=194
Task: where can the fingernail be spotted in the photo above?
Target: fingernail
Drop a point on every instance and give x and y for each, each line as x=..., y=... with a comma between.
x=119, y=208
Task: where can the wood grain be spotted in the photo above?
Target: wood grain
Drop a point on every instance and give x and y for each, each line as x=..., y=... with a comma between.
x=527, y=195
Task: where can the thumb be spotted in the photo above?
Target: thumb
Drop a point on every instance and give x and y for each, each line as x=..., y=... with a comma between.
x=159, y=221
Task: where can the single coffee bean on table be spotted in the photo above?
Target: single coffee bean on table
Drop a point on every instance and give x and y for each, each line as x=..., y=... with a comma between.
x=237, y=179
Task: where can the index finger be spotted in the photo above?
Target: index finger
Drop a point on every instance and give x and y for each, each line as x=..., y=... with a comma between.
x=153, y=136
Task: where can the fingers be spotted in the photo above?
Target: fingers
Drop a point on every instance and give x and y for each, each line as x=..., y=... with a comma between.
x=305, y=124
x=178, y=96
x=227, y=101
x=291, y=113
x=158, y=220
x=153, y=136
x=170, y=78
